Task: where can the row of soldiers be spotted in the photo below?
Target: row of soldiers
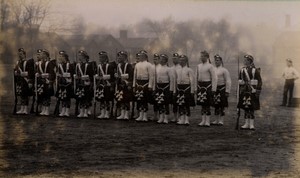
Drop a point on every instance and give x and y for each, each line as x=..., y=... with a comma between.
x=120, y=87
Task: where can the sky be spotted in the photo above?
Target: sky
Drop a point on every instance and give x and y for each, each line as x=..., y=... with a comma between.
x=114, y=13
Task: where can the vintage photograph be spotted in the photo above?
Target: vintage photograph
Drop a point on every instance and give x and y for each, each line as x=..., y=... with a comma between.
x=161, y=88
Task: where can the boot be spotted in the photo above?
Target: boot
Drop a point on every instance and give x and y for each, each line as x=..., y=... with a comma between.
x=161, y=118
x=85, y=113
x=21, y=110
x=89, y=112
x=80, y=112
x=101, y=116
x=207, y=121
x=122, y=114
x=145, y=118
x=43, y=111
x=216, y=122
x=251, y=122
x=246, y=125
x=165, y=118
x=25, y=109
x=126, y=115
x=46, y=113
x=63, y=110
x=106, y=115
x=186, y=120
x=221, y=120
x=140, y=118
x=203, y=121
x=67, y=112
x=181, y=120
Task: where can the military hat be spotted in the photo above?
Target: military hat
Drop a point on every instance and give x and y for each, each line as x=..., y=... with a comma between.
x=249, y=57
x=175, y=55
x=289, y=60
x=205, y=53
x=143, y=53
x=217, y=56
x=62, y=52
x=155, y=55
x=21, y=50
x=164, y=56
x=39, y=50
x=183, y=57
x=122, y=53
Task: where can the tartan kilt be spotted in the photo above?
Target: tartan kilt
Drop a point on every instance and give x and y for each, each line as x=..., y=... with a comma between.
x=84, y=92
x=44, y=88
x=65, y=92
x=142, y=93
x=220, y=99
x=123, y=94
x=22, y=87
x=183, y=91
x=162, y=94
x=248, y=100
x=204, y=94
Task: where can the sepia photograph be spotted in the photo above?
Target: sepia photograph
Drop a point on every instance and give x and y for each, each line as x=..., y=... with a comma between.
x=160, y=88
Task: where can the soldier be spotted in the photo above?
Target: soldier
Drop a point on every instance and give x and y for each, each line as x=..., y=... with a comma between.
x=46, y=76
x=223, y=90
x=206, y=87
x=105, y=86
x=142, y=82
x=24, y=75
x=290, y=74
x=65, y=91
x=85, y=71
x=156, y=61
x=185, y=88
x=163, y=88
x=175, y=67
x=124, y=94
x=250, y=85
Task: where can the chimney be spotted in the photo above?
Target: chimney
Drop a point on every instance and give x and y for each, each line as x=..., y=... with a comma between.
x=123, y=34
x=287, y=21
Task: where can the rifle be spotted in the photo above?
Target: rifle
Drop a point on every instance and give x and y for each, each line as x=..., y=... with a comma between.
x=116, y=89
x=56, y=110
x=94, y=99
x=15, y=92
x=237, y=126
x=77, y=101
x=36, y=95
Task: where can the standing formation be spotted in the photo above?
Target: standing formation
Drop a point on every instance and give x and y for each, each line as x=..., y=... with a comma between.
x=118, y=89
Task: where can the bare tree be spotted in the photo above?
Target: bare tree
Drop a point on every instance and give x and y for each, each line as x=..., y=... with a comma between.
x=4, y=13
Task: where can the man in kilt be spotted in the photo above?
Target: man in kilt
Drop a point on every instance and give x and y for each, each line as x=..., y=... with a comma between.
x=176, y=66
x=156, y=61
x=223, y=90
x=163, y=88
x=124, y=94
x=206, y=87
x=24, y=80
x=250, y=85
x=185, y=88
x=142, y=82
x=105, y=85
x=84, y=73
x=46, y=76
x=65, y=90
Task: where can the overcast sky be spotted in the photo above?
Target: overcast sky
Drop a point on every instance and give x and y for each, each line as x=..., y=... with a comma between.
x=113, y=13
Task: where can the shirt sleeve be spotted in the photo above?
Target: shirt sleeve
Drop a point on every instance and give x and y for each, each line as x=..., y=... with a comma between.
x=227, y=80
x=192, y=80
x=213, y=78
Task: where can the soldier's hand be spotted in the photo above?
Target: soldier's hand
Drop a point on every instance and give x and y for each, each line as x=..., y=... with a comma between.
x=37, y=74
x=29, y=85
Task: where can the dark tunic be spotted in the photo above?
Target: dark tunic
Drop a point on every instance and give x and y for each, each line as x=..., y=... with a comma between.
x=247, y=99
x=124, y=92
x=24, y=84
x=65, y=89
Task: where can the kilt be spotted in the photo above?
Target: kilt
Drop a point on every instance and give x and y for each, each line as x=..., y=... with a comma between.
x=162, y=95
x=220, y=99
x=204, y=93
x=22, y=87
x=104, y=92
x=247, y=99
x=123, y=94
x=44, y=88
x=84, y=93
x=142, y=93
x=184, y=96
